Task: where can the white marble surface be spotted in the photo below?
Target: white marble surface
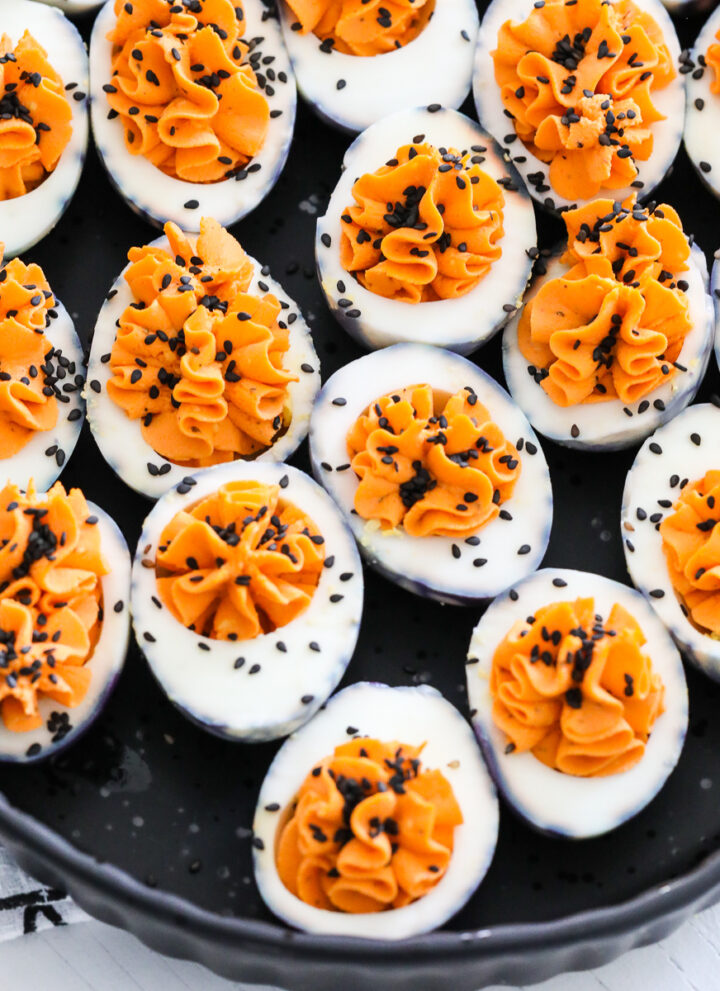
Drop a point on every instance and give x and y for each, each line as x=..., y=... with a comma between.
x=93, y=956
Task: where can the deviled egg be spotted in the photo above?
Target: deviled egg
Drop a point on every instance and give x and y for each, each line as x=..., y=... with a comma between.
x=428, y=235
x=198, y=357
x=437, y=472
x=193, y=106
x=616, y=333
x=338, y=846
x=247, y=593
x=44, y=81
x=578, y=698
x=355, y=64
x=64, y=617
x=702, y=68
x=41, y=378
x=670, y=512
x=583, y=97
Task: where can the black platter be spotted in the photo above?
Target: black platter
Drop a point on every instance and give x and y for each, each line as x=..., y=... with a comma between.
x=146, y=819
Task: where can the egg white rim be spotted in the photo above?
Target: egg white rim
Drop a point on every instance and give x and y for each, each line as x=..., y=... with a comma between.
x=669, y=452
x=460, y=324
x=605, y=426
x=563, y=804
x=106, y=662
x=120, y=439
x=669, y=101
x=296, y=677
x=25, y=220
x=701, y=126
x=396, y=713
x=430, y=565
x=158, y=197
x=351, y=92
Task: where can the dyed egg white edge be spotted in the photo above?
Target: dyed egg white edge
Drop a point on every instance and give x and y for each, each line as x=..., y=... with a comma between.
x=351, y=92
x=669, y=452
x=702, y=125
x=715, y=296
x=106, y=662
x=553, y=802
x=305, y=659
x=445, y=568
x=669, y=101
x=158, y=197
x=606, y=426
x=460, y=324
x=47, y=452
x=410, y=715
x=25, y=220
x=120, y=439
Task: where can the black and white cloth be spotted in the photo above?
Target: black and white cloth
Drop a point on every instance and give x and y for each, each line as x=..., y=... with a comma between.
x=26, y=906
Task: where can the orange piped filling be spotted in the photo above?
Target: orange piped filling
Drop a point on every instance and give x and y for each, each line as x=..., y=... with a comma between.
x=51, y=566
x=576, y=690
x=431, y=467
x=25, y=301
x=35, y=116
x=577, y=80
x=198, y=358
x=239, y=563
x=691, y=543
x=369, y=830
x=362, y=27
x=425, y=226
x=184, y=88
x=614, y=324
x=712, y=61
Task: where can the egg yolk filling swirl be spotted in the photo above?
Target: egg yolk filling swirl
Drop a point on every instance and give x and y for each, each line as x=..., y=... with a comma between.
x=575, y=689
x=35, y=116
x=198, y=357
x=427, y=225
x=370, y=829
x=29, y=374
x=51, y=566
x=613, y=326
x=431, y=465
x=184, y=87
x=691, y=543
x=577, y=81
x=361, y=27
x=239, y=563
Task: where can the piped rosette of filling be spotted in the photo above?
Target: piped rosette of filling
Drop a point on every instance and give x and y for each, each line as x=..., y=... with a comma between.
x=43, y=120
x=197, y=360
x=701, y=67
x=437, y=221
x=579, y=698
x=427, y=226
x=422, y=50
x=248, y=571
x=589, y=91
x=41, y=377
x=355, y=830
x=671, y=531
x=190, y=120
x=240, y=563
x=57, y=663
x=431, y=467
x=575, y=689
x=436, y=471
x=35, y=116
x=371, y=829
x=615, y=335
